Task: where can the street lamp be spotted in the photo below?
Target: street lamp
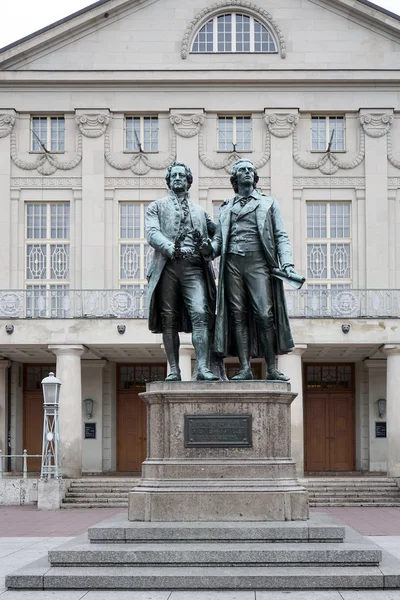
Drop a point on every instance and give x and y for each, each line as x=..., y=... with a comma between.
x=51, y=437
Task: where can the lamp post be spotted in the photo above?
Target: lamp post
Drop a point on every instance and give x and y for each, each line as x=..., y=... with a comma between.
x=51, y=437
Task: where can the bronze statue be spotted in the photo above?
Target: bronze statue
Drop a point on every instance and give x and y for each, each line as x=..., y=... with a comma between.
x=252, y=319
x=182, y=292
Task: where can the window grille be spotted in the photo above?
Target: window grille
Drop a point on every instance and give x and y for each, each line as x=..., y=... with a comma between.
x=329, y=269
x=47, y=258
x=141, y=133
x=234, y=32
x=48, y=134
x=324, y=128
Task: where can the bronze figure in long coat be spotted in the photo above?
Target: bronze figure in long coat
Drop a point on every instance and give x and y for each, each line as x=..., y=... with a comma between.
x=181, y=292
x=252, y=318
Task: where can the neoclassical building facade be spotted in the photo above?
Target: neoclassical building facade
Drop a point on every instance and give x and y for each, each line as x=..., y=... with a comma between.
x=94, y=108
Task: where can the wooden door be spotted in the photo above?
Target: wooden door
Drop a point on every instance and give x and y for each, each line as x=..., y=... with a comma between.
x=329, y=432
x=131, y=434
x=132, y=413
x=33, y=412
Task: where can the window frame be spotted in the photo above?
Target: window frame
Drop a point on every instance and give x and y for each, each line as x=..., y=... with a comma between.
x=233, y=14
x=234, y=132
x=141, y=137
x=327, y=118
x=48, y=135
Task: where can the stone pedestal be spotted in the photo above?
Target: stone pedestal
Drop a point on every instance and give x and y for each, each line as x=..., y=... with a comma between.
x=232, y=464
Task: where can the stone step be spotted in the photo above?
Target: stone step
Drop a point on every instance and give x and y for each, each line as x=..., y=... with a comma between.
x=373, y=499
x=355, y=504
x=79, y=553
x=319, y=528
x=354, y=494
x=93, y=504
x=95, y=494
x=106, y=498
x=38, y=576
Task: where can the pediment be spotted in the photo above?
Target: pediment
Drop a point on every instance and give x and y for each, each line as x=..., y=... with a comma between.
x=143, y=35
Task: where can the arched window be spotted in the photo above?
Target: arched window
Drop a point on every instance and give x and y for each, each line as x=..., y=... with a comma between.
x=234, y=32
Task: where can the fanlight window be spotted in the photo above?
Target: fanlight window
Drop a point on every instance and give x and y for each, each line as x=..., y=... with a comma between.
x=234, y=32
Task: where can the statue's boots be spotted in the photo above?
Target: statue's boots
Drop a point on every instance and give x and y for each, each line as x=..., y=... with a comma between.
x=201, y=343
x=267, y=337
x=171, y=345
x=241, y=333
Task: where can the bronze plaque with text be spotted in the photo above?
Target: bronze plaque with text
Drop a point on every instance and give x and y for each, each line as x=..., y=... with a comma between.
x=218, y=431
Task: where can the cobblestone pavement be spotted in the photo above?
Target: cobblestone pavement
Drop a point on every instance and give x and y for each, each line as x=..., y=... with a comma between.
x=27, y=534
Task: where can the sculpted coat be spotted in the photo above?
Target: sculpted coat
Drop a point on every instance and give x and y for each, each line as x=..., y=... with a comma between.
x=276, y=246
x=162, y=228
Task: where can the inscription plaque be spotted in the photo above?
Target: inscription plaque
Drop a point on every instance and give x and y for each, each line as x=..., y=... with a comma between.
x=380, y=429
x=218, y=431
x=90, y=431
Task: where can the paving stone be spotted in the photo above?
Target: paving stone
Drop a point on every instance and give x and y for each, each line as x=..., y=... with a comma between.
x=194, y=595
x=131, y=595
x=303, y=595
x=46, y=595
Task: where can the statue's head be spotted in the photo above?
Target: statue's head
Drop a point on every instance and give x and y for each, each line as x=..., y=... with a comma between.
x=179, y=167
x=242, y=165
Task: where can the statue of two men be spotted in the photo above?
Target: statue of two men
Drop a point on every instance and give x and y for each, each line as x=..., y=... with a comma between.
x=256, y=258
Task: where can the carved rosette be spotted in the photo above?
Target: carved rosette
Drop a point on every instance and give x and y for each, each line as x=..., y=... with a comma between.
x=7, y=123
x=187, y=125
x=376, y=125
x=92, y=125
x=281, y=125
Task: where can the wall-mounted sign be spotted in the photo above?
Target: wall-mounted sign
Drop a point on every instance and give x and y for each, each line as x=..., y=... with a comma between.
x=380, y=429
x=90, y=431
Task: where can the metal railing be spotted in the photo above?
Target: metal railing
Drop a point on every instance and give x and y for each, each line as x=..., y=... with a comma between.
x=24, y=457
x=131, y=304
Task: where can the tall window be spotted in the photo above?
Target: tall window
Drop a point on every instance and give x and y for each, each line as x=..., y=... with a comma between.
x=135, y=255
x=328, y=247
x=327, y=132
x=48, y=134
x=234, y=133
x=141, y=133
x=47, y=258
x=234, y=32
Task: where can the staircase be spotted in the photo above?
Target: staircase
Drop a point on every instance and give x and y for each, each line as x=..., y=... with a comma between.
x=112, y=492
x=352, y=491
x=99, y=492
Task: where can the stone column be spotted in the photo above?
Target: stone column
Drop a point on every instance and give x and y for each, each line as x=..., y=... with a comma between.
x=92, y=386
x=4, y=365
x=185, y=361
x=376, y=126
x=187, y=124
x=68, y=371
x=281, y=127
x=392, y=352
x=291, y=365
x=361, y=237
x=92, y=126
x=7, y=121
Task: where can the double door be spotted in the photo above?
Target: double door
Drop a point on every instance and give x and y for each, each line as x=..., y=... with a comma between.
x=329, y=431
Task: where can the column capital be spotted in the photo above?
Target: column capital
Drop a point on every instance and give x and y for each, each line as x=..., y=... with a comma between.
x=186, y=350
x=187, y=123
x=92, y=123
x=299, y=349
x=281, y=124
x=376, y=123
x=4, y=364
x=375, y=364
x=68, y=350
x=391, y=349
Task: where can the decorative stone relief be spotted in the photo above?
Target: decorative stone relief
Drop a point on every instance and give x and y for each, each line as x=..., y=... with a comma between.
x=214, y=8
x=376, y=125
x=228, y=161
x=187, y=125
x=139, y=163
x=92, y=125
x=394, y=182
x=45, y=163
x=328, y=163
x=395, y=162
x=7, y=123
x=135, y=182
x=281, y=125
x=326, y=182
x=46, y=182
